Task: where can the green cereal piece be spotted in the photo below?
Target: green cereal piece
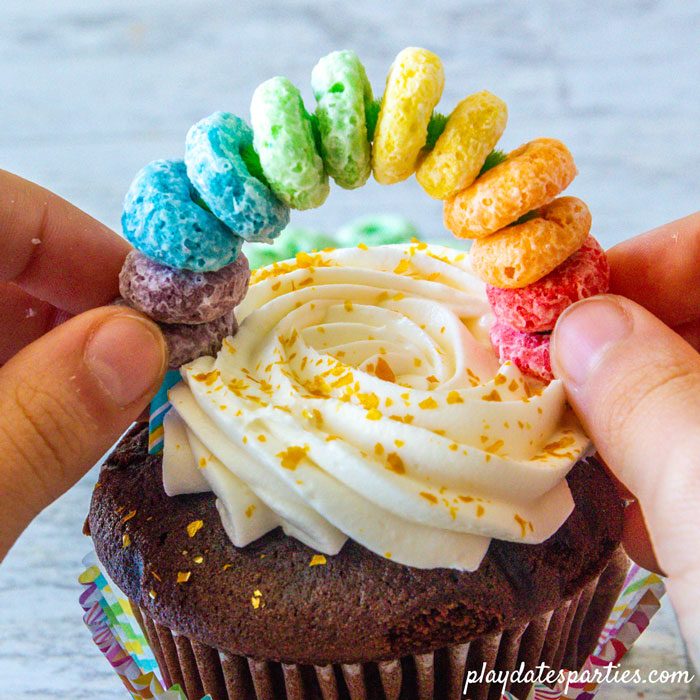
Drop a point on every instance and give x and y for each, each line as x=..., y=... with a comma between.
x=284, y=140
x=293, y=240
x=343, y=94
x=376, y=230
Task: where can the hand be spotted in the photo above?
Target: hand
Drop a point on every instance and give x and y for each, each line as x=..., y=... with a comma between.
x=631, y=369
x=67, y=391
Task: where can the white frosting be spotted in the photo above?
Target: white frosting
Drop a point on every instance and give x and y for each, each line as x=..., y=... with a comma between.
x=361, y=398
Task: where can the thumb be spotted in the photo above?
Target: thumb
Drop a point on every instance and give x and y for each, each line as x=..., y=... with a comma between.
x=636, y=386
x=65, y=399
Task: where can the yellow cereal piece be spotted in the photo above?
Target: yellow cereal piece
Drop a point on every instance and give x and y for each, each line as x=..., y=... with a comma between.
x=532, y=176
x=413, y=88
x=520, y=255
x=471, y=132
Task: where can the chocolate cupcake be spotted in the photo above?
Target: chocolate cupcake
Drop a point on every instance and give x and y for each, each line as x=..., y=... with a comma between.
x=390, y=510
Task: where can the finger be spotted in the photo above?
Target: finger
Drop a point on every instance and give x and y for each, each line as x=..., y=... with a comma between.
x=636, y=386
x=54, y=251
x=690, y=332
x=65, y=400
x=635, y=536
x=661, y=270
x=636, y=539
x=24, y=319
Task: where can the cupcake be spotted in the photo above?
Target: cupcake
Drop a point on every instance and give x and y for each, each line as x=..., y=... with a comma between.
x=355, y=499
x=370, y=484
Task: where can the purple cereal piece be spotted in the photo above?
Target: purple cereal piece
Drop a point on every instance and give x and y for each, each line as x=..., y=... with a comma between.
x=188, y=341
x=169, y=295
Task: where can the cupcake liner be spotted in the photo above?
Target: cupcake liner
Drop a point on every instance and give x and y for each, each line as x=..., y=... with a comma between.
x=591, y=630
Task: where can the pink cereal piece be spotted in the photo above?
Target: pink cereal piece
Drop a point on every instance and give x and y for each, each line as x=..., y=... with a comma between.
x=537, y=307
x=529, y=352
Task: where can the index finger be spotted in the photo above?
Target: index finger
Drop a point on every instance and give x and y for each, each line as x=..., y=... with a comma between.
x=660, y=270
x=53, y=250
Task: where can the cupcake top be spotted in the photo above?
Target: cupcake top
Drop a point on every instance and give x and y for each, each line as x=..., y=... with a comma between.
x=361, y=399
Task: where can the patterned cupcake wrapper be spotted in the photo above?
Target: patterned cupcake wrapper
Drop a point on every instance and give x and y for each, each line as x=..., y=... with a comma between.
x=591, y=630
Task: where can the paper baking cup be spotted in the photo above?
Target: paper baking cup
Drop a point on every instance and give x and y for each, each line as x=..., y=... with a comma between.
x=561, y=638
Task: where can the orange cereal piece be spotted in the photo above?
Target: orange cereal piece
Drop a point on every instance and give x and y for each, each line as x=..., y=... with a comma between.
x=520, y=255
x=529, y=178
x=471, y=132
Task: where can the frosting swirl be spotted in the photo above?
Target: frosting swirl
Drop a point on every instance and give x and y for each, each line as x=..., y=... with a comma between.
x=361, y=398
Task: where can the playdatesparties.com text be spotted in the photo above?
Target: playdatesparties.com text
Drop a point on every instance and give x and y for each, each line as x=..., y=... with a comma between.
x=543, y=674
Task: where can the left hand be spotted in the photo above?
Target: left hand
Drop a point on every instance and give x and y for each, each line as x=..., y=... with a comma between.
x=67, y=390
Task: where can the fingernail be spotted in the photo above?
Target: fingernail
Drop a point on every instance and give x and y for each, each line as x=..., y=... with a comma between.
x=583, y=334
x=126, y=354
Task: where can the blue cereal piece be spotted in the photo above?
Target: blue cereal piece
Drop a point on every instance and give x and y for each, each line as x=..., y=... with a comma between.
x=216, y=152
x=162, y=219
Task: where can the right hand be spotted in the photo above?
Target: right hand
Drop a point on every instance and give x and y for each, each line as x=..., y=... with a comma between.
x=631, y=369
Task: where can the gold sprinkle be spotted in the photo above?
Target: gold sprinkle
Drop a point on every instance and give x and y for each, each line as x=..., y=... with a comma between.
x=403, y=266
x=198, y=559
x=362, y=246
x=379, y=449
x=291, y=457
x=428, y=404
x=155, y=576
x=152, y=594
x=256, y=599
x=387, y=555
x=399, y=443
x=499, y=379
x=126, y=540
x=395, y=463
x=479, y=511
x=373, y=414
x=429, y=497
x=207, y=377
x=454, y=397
x=492, y=396
x=262, y=438
x=368, y=401
x=317, y=560
x=226, y=567
x=128, y=516
x=348, y=305
x=194, y=527
x=343, y=381
x=384, y=371
x=183, y=576
x=417, y=362
x=250, y=510
x=523, y=524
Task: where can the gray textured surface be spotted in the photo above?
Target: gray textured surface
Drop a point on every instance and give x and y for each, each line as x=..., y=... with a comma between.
x=92, y=90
